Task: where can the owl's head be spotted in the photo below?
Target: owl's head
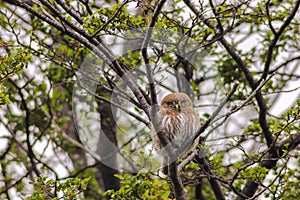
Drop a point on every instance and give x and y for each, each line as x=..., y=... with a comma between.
x=176, y=102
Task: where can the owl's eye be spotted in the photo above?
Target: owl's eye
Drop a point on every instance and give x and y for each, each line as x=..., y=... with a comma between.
x=173, y=105
x=170, y=104
x=183, y=103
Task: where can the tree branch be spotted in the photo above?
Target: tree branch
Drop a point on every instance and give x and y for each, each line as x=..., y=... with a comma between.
x=98, y=48
x=259, y=98
x=205, y=166
x=110, y=19
x=176, y=181
x=270, y=162
x=31, y=154
x=69, y=10
x=247, y=100
x=145, y=52
x=277, y=36
x=216, y=112
x=173, y=167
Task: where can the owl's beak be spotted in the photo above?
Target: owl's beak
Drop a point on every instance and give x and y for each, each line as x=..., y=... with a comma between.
x=177, y=107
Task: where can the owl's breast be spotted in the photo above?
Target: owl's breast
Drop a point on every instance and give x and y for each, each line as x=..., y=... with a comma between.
x=171, y=124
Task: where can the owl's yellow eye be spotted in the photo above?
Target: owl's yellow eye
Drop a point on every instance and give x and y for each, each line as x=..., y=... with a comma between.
x=183, y=103
x=173, y=105
x=170, y=104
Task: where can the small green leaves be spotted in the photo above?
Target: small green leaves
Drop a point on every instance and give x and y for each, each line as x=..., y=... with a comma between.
x=71, y=188
x=10, y=65
x=120, y=19
x=140, y=186
x=256, y=173
x=4, y=97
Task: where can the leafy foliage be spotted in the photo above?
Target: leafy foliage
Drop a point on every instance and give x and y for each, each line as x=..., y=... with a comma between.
x=71, y=188
x=121, y=20
x=11, y=65
x=140, y=186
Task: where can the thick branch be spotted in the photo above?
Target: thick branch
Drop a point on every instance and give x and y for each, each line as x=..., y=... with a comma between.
x=176, y=181
x=145, y=52
x=107, y=147
x=259, y=98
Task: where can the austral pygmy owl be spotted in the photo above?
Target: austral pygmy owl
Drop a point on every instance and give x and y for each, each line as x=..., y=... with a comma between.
x=179, y=123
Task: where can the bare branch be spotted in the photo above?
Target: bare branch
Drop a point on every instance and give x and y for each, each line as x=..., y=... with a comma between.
x=31, y=154
x=220, y=26
x=216, y=112
x=277, y=36
x=269, y=17
x=247, y=100
x=176, y=181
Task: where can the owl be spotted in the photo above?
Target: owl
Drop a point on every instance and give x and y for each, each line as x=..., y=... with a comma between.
x=179, y=123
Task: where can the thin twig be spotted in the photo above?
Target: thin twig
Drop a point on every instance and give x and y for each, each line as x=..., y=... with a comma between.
x=111, y=18
x=246, y=101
